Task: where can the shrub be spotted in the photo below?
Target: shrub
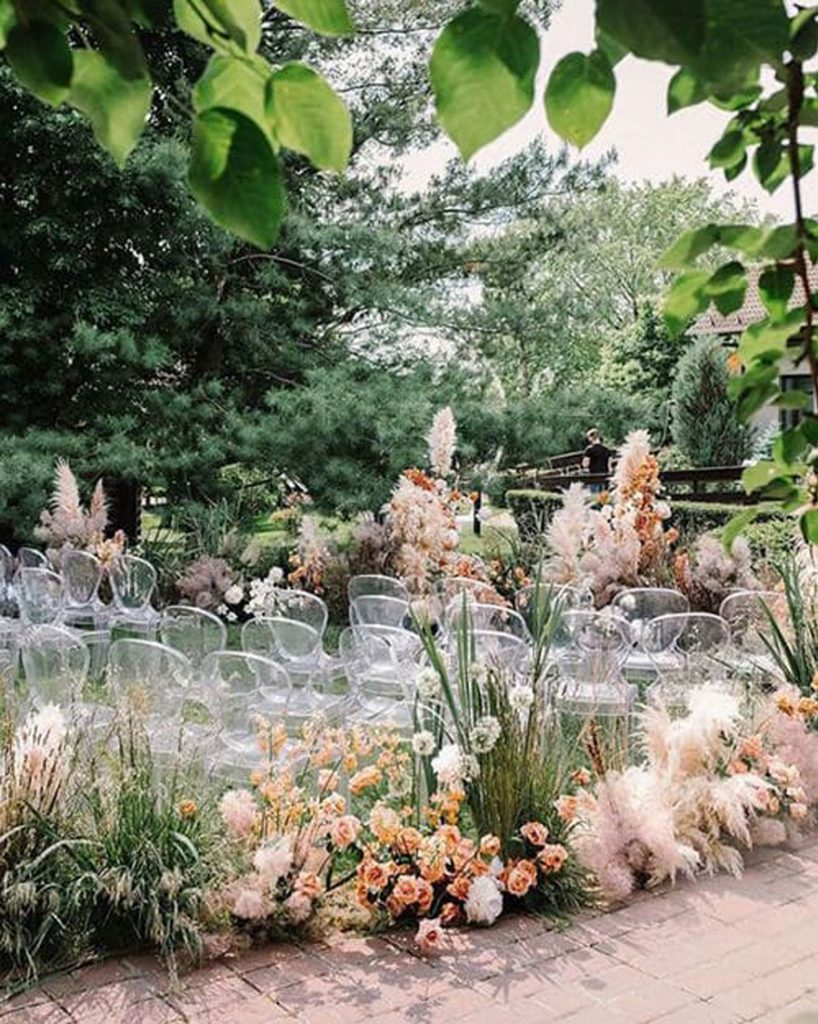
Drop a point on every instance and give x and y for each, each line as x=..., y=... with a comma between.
x=705, y=425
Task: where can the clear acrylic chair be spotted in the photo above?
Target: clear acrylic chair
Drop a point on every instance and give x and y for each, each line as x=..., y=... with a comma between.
x=450, y=587
x=302, y=606
x=9, y=655
x=687, y=650
x=747, y=614
x=379, y=610
x=55, y=662
x=8, y=600
x=377, y=586
x=193, y=631
x=133, y=582
x=378, y=681
x=297, y=648
x=154, y=681
x=40, y=596
x=81, y=574
x=638, y=606
x=486, y=617
x=31, y=558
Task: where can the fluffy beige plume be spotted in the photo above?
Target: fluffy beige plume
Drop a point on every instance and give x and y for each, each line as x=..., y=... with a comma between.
x=66, y=497
x=98, y=509
x=442, y=439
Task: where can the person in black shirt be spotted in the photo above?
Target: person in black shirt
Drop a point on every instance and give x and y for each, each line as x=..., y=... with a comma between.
x=596, y=458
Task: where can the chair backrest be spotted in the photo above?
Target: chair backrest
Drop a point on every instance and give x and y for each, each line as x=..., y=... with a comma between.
x=492, y=617
x=596, y=642
x=405, y=645
x=81, y=575
x=641, y=604
x=9, y=649
x=689, y=633
x=452, y=586
x=40, y=596
x=284, y=640
x=6, y=565
x=375, y=674
x=747, y=612
x=502, y=652
x=133, y=581
x=153, y=678
x=379, y=586
x=378, y=610
x=56, y=663
x=302, y=607
x=193, y=631
x=31, y=558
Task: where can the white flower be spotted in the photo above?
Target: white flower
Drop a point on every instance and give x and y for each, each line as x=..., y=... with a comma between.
x=521, y=697
x=469, y=768
x=485, y=734
x=448, y=765
x=234, y=594
x=231, y=616
x=273, y=860
x=428, y=684
x=423, y=744
x=276, y=574
x=484, y=904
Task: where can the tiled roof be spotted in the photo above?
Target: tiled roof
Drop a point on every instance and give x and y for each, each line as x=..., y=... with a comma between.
x=753, y=310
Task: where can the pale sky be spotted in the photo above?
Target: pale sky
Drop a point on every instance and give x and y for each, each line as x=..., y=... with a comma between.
x=649, y=144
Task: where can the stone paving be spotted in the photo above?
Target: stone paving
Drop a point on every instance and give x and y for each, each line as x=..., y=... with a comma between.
x=718, y=951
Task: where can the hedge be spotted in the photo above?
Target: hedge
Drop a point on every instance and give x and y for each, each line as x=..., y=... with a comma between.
x=769, y=535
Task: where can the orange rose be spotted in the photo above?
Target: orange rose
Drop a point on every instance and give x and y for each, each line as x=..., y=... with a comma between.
x=459, y=888
x=406, y=890
x=344, y=831
x=567, y=807
x=308, y=884
x=489, y=846
x=425, y=894
x=366, y=778
x=551, y=858
x=408, y=841
x=535, y=832
x=582, y=777
x=521, y=877
x=373, y=874
x=449, y=836
x=188, y=809
x=385, y=823
x=449, y=913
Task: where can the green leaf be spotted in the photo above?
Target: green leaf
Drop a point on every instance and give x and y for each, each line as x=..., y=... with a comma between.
x=804, y=34
x=613, y=50
x=310, y=117
x=117, y=107
x=775, y=287
x=771, y=164
x=579, y=96
x=328, y=17
x=809, y=428
x=669, y=30
x=790, y=445
x=483, y=70
x=740, y=37
x=792, y=400
x=730, y=173
x=777, y=243
x=221, y=22
x=685, y=90
x=501, y=7
x=686, y=297
x=112, y=28
x=734, y=527
x=7, y=20
x=237, y=84
x=768, y=339
x=689, y=246
x=40, y=56
x=727, y=287
x=728, y=151
x=742, y=237
x=236, y=176
x=762, y=473
x=809, y=525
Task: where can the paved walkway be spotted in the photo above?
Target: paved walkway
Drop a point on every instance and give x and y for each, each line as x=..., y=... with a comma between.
x=719, y=951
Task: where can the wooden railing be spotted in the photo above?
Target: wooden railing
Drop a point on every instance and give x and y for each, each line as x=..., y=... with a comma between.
x=700, y=484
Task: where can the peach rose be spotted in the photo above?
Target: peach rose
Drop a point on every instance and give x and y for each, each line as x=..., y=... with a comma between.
x=521, y=878
x=385, y=823
x=406, y=890
x=459, y=888
x=551, y=858
x=798, y=811
x=449, y=913
x=567, y=807
x=449, y=835
x=425, y=894
x=366, y=778
x=581, y=777
x=344, y=831
x=535, y=832
x=752, y=748
x=489, y=846
x=373, y=874
x=188, y=808
x=408, y=841
x=308, y=884
x=429, y=937
x=737, y=767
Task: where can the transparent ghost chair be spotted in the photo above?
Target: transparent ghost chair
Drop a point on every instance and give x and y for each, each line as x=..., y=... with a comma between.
x=494, y=618
x=302, y=607
x=378, y=586
x=81, y=576
x=499, y=652
x=638, y=606
x=153, y=681
x=378, y=681
x=40, y=596
x=379, y=610
x=450, y=587
x=31, y=558
x=193, y=631
x=569, y=597
x=242, y=691
x=133, y=582
x=297, y=648
x=55, y=662
x=9, y=654
x=688, y=650
x=748, y=614
x=8, y=601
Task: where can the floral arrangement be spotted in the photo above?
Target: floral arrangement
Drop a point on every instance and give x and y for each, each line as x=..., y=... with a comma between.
x=207, y=582
x=69, y=524
x=709, y=573
x=311, y=558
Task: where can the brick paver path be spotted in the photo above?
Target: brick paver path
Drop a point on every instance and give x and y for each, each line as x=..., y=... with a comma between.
x=719, y=951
